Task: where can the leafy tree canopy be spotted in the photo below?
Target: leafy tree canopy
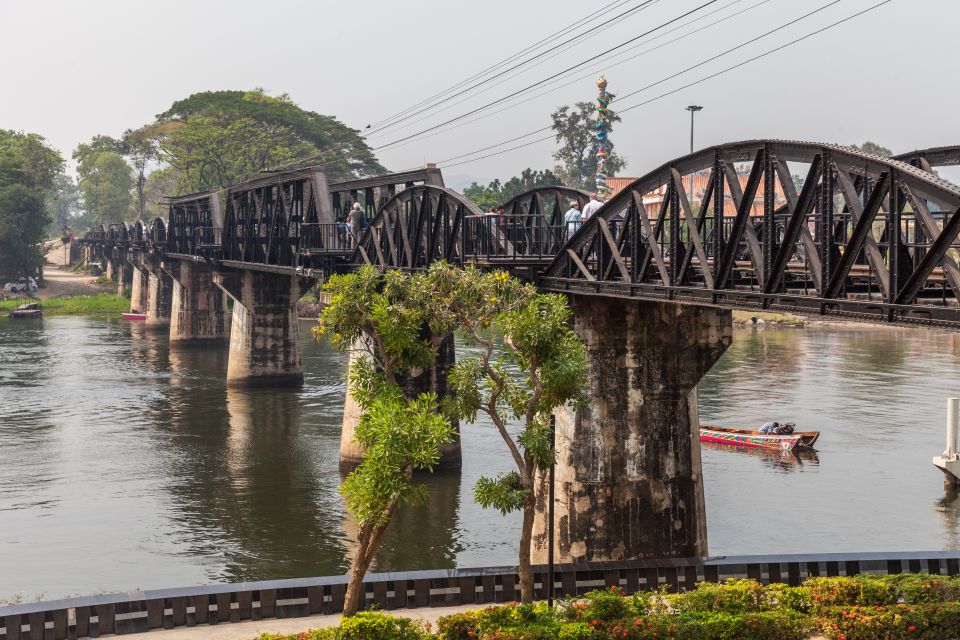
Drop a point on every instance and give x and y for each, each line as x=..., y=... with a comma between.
x=216, y=138
x=105, y=183
x=874, y=148
x=28, y=169
x=575, y=131
x=497, y=193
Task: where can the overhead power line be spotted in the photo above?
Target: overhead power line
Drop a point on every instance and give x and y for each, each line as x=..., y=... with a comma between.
x=644, y=5
x=547, y=79
x=603, y=64
x=685, y=86
x=584, y=20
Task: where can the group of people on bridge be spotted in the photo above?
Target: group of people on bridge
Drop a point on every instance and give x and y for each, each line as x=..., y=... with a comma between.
x=574, y=217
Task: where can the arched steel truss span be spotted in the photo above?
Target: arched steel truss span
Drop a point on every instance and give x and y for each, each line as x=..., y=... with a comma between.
x=928, y=159
x=426, y=223
x=779, y=224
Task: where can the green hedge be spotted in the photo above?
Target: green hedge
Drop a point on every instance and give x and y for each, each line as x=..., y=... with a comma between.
x=844, y=608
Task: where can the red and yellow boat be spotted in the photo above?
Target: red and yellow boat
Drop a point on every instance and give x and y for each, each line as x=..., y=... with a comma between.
x=746, y=438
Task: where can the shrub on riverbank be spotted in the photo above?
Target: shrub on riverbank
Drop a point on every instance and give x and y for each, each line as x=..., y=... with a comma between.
x=841, y=608
x=75, y=305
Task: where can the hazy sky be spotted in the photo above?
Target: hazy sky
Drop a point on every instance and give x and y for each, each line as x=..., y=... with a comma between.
x=73, y=69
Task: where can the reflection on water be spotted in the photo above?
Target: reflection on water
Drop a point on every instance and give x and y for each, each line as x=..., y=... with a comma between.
x=784, y=460
x=124, y=463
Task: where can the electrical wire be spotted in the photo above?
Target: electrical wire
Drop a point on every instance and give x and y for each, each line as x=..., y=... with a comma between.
x=578, y=79
x=644, y=5
x=602, y=63
x=536, y=84
x=585, y=20
x=698, y=81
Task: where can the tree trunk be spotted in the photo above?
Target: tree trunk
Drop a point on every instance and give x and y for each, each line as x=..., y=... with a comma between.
x=358, y=569
x=526, y=536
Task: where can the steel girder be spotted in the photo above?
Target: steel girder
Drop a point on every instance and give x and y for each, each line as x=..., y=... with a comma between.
x=417, y=226
x=861, y=235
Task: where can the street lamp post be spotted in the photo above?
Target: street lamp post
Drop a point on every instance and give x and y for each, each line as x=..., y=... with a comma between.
x=693, y=108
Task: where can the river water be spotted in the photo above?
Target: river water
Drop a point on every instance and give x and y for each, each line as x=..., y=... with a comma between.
x=124, y=464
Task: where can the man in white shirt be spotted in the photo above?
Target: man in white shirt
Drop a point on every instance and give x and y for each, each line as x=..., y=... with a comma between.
x=572, y=218
x=591, y=207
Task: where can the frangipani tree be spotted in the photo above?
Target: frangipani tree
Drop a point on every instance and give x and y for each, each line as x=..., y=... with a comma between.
x=380, y=315
x=539, y=365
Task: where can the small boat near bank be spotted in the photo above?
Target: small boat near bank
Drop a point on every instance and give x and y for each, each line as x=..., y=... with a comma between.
x=26, y=311
x=134, y=316
x=748, y=438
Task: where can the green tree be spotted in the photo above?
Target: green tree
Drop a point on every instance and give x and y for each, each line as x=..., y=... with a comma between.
x=539, y=365
x=141, y=147
x=496, y=193
x=216, y=138
x=86, y=153
x=63, y=203
x=398, y=434
x=874, y=148
x=28, y=169
x=105, y=179
x=575, y=131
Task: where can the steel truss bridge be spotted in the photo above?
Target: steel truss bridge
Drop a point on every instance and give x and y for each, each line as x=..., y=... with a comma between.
x=780, y=225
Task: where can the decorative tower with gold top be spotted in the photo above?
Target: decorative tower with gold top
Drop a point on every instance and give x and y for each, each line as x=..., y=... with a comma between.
x=603, y=99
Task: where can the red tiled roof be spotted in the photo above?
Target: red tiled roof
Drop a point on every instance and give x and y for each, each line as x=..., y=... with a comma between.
x=700, y=180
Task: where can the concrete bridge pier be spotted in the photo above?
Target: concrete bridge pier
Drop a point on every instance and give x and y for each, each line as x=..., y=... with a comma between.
x=139, y=287
x=198, y=306
x=264, y=332
x=159, y=294
x=628, y=475
x=432, y=379
x=124, y=272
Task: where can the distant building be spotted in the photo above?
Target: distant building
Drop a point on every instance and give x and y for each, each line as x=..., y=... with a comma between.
x=655, y=198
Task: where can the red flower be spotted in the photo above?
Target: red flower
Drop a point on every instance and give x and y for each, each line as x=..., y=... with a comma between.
x=911, y=628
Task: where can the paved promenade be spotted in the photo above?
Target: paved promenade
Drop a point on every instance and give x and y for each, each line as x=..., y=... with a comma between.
x=253, y=628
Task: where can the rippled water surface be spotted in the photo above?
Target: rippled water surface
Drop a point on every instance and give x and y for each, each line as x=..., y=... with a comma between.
x=125, y=464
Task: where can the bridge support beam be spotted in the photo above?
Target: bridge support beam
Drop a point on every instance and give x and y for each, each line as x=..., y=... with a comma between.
x=433, y=379
x=124, y=276
x=198, y=306
x=628, y=476
x=139, y=288
x=264, y=333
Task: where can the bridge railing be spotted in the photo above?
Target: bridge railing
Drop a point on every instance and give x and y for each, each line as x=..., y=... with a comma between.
x=133, y=612
x=326, y=238
x=204, y=237
x=512, y=236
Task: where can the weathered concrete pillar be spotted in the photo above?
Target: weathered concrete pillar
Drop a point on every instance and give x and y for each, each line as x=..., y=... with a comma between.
x=124, y=276
x=432, y=379
x=264, y=333
x=159, y=295
x=628, y=476
x=198, y=306
x=139, y=288
x=109, y=267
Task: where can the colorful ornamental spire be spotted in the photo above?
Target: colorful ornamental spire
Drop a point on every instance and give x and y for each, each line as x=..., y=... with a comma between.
x=603, y=99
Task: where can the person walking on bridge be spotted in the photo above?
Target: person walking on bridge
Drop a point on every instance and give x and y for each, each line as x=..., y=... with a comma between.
x=356, y=222
x=591, y=207
x=572, y=218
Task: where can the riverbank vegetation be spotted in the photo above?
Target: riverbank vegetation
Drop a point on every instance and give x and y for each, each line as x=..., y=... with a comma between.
x=75, y=305
x=895, y=607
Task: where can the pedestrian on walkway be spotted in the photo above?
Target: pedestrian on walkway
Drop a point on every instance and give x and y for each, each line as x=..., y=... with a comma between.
x=356, y=221
x=591, y=207
x=572, y=218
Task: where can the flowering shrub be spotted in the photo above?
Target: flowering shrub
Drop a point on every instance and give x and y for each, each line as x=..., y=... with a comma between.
x=863, y=590
x=900, y=607
x=936, y=621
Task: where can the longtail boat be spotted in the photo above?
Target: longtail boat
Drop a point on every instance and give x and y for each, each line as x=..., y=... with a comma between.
x=134, y=316
x=747, y=438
